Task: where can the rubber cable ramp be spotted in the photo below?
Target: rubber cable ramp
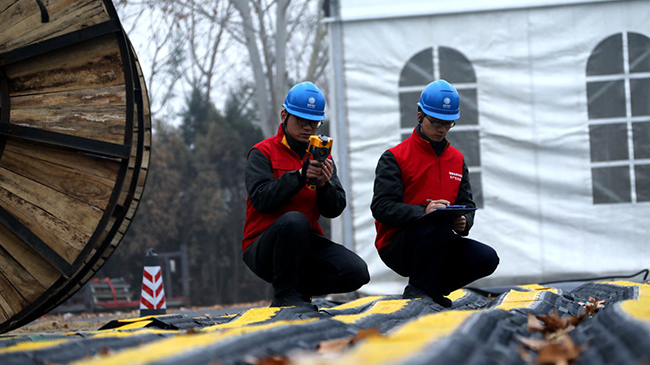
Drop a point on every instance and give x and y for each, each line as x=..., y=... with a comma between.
x=275, y=341
x=612, y=292
x=14, y=340
x=484, y=338
x=75, y=349
x=613, y=337
x=373, y=330
x=174, y=322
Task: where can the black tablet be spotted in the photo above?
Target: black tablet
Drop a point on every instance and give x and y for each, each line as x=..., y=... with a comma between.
x=447, y=213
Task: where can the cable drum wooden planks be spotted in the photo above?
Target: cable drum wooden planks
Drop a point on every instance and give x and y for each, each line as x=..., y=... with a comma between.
x=75, y=139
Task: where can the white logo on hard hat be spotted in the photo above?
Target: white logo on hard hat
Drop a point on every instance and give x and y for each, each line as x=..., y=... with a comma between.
x=311, y=102
x=446, y=101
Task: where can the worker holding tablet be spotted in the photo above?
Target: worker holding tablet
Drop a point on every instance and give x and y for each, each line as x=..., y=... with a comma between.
x=423, y=205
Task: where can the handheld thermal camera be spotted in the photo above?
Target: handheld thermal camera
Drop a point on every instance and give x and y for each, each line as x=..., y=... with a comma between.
x=319, y=149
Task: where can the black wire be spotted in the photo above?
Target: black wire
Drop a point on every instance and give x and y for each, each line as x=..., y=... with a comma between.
x=645, y=277
x=45, y=17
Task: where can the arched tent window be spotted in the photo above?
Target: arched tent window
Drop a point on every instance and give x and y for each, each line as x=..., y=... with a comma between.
x=618, y=97
x=445, y=63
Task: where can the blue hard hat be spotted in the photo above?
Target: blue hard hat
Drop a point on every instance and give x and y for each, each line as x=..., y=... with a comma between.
x=440, y=100
x=305, y=100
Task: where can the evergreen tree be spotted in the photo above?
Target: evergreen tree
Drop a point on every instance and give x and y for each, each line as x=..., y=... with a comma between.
x=195, y=195
x=200, y=113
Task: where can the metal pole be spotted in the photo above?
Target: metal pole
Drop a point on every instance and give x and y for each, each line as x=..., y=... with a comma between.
x=340, y=127
x=185, y=272
x=168, y=278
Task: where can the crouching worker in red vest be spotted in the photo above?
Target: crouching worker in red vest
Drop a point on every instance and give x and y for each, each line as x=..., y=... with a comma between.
x=283, y=242
x=416, y=177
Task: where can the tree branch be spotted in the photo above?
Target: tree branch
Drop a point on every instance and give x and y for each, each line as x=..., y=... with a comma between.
x=258, y=72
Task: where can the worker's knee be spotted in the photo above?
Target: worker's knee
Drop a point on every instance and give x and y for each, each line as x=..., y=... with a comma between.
x=292, y=233
x=355, y=274
x=294, y=223
x=490, y=261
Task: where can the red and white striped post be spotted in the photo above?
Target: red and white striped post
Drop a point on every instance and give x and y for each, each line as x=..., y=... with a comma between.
x=152, y=299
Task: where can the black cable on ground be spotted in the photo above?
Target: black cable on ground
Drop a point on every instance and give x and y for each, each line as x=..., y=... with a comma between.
x=645, y=277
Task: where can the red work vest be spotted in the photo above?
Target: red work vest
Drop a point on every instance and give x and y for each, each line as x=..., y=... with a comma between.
x=425, y=175
x=283, y=160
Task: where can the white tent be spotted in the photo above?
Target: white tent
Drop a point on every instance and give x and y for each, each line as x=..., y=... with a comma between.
x=555, y=124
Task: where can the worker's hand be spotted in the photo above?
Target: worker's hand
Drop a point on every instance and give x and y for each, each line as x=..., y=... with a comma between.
x=326, y=172
x=459, y=224
x=321, y=170
x=436, y=204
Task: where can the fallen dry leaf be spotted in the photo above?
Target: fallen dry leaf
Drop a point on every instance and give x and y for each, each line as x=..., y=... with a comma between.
x=525, y=355
x=335, y=346
x=553, y=322
x=534, y=344
x=551, y=325
x=274, y=360
x=193, y=330
x=556, y=335
x=592, y=306
x=559, y=352
x=575, y=320
x=534, y=324
x=365, y=334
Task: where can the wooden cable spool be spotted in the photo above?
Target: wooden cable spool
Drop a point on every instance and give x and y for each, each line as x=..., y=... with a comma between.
x=75, y=141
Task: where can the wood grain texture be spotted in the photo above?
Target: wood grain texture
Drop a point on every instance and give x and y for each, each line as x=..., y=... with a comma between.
x=85, y=98
x=21, y=23
x=78, y=216
x=36, y=265
x=3, y=305
x=96, y=113
x=10, y=300
x=56, y=234
x=85, y=65
x=57, y=197
x=25, y=284
x=87, y=188
x=104, y=168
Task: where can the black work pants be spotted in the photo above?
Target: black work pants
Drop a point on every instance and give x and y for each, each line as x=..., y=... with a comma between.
x=294, y=258
x=436, y=260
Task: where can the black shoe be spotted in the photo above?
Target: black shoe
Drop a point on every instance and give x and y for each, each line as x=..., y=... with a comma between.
x=411, y=292
x=306, y=298
x=292, y=299
x=445, y=302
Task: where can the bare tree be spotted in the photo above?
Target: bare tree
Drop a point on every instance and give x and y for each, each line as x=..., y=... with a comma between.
x=184, y=44
x=203, y=25
x=201, y=51
x=153, y=29
x=268, y=29
x=221, y=45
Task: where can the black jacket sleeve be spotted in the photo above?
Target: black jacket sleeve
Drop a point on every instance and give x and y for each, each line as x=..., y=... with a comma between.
x=465, y=198
x=268, y=194
x=388, y=205
x=265, y=192
x=331, y=197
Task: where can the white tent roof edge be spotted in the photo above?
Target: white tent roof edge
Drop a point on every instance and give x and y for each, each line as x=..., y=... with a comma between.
x=364, y=10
